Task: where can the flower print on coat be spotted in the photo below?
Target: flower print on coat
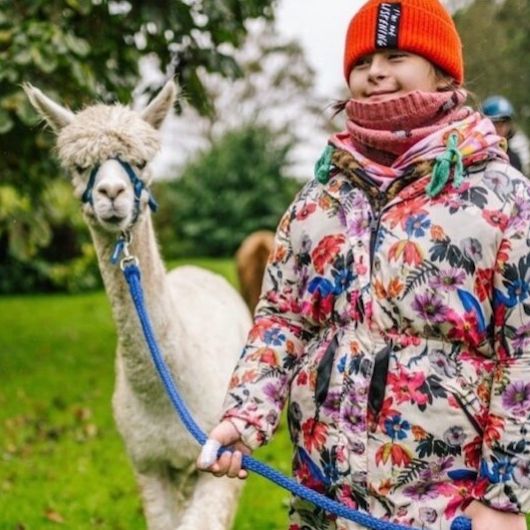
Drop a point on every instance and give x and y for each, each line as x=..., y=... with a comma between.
x=326, y=250
x=484, y=283
x=448, y=280
x=320, y=305
x=521, y=212
x=516, y=397
x=400, y=215
x=521, y=339
x=438, y=470
x=275, y=392
x=442, y=363
x=468, y=327
x=421, y=491
x=353, y=418
x=314, y=434
x=457, y=493
x=498, y=182
x=407, y=386
x=417, y=225
x=359, y=224
x=428, y=515
x=396, y=428
x=454, y=436
x=495, y=218
x=305, y=211
x=407, y=251
x=397, y=454
x=430, y=307
x=516, y=281
x=472, y=248
x=448, y=285
x=521, y=474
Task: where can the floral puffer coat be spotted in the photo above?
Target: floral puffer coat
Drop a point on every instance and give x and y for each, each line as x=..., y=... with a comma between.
x=397, y=327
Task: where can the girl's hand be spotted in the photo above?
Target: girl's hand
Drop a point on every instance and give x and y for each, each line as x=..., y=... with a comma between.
x=229, y=463
x=485, y=518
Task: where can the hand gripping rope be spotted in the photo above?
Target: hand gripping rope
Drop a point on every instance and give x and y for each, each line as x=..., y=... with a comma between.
x=129, y=266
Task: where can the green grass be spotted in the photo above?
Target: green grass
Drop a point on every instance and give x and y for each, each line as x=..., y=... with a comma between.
x=62, y=463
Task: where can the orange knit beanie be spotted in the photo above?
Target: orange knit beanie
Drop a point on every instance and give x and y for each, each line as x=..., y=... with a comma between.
x=422, y=27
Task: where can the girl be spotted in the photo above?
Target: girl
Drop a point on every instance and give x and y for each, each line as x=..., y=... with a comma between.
x=394, y=316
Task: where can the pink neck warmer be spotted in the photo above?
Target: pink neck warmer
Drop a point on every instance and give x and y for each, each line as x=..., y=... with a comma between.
x=384, y=130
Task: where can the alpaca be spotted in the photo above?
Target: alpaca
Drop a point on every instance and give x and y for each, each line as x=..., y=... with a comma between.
x=251, y=260
x=200, y=321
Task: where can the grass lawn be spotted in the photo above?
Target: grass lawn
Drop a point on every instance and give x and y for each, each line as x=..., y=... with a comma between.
x=62, y=463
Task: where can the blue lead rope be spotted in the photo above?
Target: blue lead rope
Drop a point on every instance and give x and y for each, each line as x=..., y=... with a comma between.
x=132, y=275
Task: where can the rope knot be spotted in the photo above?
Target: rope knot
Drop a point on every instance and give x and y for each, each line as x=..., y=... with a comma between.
x=323, y=165
x=450, y=158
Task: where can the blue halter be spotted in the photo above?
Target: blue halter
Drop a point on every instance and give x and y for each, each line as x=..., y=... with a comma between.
x=137, y=183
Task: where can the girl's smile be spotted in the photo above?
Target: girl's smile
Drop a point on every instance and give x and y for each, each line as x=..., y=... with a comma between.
x=390, y=73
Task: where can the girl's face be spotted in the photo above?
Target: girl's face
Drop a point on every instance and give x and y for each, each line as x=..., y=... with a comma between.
x=390, y=73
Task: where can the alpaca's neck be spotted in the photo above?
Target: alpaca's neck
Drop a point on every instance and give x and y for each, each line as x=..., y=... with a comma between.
x=134, y=355
x=144, y=247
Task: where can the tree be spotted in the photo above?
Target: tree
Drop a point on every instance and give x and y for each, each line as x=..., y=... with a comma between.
x=79, y=50
x=496, y=40
x=233, y=188
x=236, y=183
x=275, y=90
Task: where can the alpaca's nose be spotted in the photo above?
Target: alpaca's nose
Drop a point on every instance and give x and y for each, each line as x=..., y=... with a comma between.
x=110, y=189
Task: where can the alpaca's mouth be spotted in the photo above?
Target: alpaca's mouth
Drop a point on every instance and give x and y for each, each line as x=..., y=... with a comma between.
x=113, y=219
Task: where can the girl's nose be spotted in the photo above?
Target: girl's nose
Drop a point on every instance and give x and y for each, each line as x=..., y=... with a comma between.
x=377, y=69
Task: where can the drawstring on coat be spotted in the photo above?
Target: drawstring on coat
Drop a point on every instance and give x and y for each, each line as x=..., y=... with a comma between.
x=442, y=168
x=323, y=165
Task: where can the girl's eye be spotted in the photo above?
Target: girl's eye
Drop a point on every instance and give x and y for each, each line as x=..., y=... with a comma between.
x=392, y=56
x=364, y=61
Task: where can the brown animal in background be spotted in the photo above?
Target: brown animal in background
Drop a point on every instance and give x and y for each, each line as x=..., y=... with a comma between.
x=251, y=260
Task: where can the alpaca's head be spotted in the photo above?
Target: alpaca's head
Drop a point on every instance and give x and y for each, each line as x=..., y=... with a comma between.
x=109, y=143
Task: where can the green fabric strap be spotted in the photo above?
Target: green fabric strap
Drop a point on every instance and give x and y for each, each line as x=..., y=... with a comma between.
x=323, y=165
x=442, y=168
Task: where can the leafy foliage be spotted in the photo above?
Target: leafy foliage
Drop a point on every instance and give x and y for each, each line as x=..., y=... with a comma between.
x=276, y=87
x=228, y=191
x=78, y=51
x=46, y=247
x=496, y=39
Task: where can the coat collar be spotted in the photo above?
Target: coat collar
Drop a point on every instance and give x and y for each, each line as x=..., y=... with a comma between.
x=347, y=174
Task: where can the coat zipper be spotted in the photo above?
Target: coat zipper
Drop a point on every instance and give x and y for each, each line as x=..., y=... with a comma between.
x=376, y=389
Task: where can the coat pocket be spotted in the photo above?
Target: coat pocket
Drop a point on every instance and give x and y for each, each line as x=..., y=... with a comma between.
x=376, y=391
x=324, y=370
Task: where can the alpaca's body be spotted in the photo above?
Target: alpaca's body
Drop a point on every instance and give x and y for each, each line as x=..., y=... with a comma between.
x=199, y=320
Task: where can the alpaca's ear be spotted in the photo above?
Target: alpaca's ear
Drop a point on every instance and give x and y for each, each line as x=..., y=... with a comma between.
x=158, y=109
x=55, y=115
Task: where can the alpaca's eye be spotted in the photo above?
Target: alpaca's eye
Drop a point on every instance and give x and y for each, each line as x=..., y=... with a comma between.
x=141, y=164
x=80, y=169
